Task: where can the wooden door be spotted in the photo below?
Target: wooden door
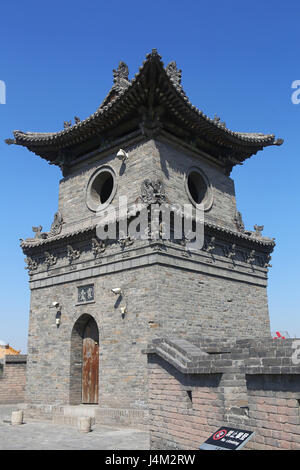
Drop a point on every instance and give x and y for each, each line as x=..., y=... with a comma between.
x=90, y=365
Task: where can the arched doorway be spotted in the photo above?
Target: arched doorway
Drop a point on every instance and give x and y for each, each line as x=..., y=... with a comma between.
x=84, y=380
x=90, y=363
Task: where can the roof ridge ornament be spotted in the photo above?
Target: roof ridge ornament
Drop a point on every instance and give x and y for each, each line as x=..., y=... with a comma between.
x=154, y=87
x=174, y=74
x=121, y=81
x=10, y=141
x=153, y=54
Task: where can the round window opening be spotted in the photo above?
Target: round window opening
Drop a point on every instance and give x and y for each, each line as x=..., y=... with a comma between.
x=101, y=189
x=198, y=188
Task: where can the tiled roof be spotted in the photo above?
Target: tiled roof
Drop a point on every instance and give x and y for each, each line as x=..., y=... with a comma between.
x=262, y=241
x=159, y=90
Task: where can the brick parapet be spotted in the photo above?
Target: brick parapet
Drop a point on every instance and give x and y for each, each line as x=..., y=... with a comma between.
x=215, y=356
x=227, y=389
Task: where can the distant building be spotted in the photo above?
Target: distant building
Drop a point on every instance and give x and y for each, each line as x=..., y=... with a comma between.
x=6, y=349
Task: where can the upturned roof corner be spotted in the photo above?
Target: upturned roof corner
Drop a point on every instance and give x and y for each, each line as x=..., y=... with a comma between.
x=152, y=103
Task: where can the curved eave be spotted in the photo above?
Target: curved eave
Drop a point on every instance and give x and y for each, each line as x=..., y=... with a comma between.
x=242, y=238
x=165, y=93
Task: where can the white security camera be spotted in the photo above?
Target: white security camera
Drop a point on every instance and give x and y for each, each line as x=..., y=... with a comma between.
x=117, y=290
x=55, y=304
x=122, y=155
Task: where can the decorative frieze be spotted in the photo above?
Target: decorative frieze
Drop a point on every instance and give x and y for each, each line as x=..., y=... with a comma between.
x=124, y=242
x=251, y=257
x=46, y=255
x=32, y=265
x=209, y=246
x=266, y=261
x=98, y=247
x=72, y=254
x=50, y=260
x=229, y=251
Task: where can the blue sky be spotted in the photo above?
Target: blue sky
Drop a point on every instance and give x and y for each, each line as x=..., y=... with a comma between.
x=238, y=59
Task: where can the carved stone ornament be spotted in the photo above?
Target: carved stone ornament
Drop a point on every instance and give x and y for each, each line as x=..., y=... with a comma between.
x=50, y=260
x=251, y=257
x=39, y=235
x=267, y=260
x=10, y=141
x=152, y=192
x=98, y=247
x=31, y=264
x=210, y=245
x=174, y=74
x=72, y=254
x=239, y=222
x=57, y=223
x=124, y=242
x=38, y=232
x=185, y=243
x=258, y=229
x=229, y=252
x=121, y=81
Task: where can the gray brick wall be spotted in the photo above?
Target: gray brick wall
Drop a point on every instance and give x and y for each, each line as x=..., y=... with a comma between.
x=151, y=159
x=167, y=290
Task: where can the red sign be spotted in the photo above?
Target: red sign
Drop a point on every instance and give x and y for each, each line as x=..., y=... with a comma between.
x=219, y=434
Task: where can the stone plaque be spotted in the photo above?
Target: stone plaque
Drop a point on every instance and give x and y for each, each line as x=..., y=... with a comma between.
x=86, y=293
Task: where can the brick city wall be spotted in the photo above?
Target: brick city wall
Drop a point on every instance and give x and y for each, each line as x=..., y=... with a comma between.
x=178, y=421
x=256, y=393
x=12, y=381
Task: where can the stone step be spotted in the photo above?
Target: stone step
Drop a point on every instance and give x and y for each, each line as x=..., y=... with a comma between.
x=69, y=414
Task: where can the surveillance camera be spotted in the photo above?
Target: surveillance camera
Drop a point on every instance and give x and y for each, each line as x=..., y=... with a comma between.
x=122, y=155
x=117, y=290
x=55, y=304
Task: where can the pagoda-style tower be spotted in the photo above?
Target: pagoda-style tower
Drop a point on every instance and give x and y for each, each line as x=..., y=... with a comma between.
x=96, y=304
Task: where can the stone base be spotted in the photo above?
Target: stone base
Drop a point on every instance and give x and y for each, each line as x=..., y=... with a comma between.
x=69, y=414
x=122, y=417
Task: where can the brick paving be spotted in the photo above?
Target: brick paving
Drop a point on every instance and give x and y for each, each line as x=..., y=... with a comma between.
x=34, y=435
